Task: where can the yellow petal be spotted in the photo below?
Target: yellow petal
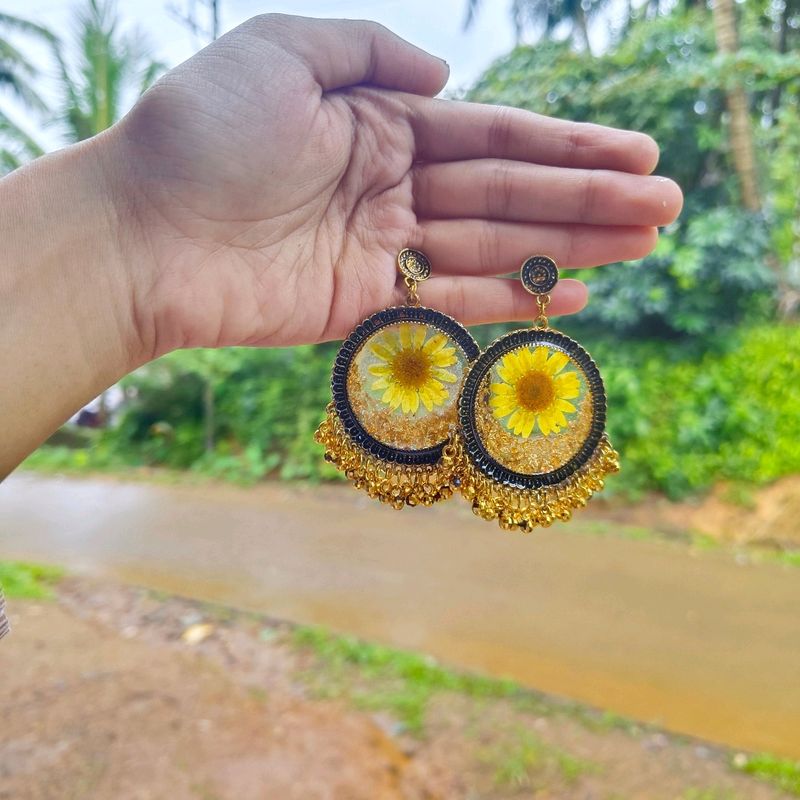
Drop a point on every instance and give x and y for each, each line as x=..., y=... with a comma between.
x=445, y=357
x=502, y=409
x=381, y=383
x=530, y=423
x=544, y=424
x=563, y=405
x=560, y=419
x=435, y=343
x=511, y=368
x=539, y=357
x=557, y=362
x=502, y=388
x=396, y=398
x=406, y=335
x=382, y=351
x=444, y=375
x=526, y=358
x=427, y=398
x=419, y=332
x=380, y=369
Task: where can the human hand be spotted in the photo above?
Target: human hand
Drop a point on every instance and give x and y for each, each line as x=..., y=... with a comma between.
x=265, y=187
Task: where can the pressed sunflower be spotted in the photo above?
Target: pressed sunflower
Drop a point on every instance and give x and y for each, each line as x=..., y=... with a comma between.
x=412, y=368
x=534, y=391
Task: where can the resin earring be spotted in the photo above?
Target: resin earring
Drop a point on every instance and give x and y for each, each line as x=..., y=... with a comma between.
x=395, y=386
x=531, y=445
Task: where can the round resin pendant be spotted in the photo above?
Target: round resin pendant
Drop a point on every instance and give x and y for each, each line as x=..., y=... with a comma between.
x=532, y=443
x=395, y=386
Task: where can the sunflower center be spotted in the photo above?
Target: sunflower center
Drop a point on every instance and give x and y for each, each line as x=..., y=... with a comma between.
x=411, y=368
x=535, y=391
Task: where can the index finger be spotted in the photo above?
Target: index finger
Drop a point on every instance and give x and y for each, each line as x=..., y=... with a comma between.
x=449, y=130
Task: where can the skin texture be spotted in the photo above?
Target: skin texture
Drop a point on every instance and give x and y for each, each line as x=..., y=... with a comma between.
x=259, y=193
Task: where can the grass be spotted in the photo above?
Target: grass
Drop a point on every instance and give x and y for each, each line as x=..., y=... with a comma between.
x=30, y=581
x=780, y=772
x=527, y=761
x=708, y=794
x=387, y=679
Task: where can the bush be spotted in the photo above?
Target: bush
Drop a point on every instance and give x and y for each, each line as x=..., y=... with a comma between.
x=684, y=420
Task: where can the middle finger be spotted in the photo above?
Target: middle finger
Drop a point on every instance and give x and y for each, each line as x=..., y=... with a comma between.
x=518, y=192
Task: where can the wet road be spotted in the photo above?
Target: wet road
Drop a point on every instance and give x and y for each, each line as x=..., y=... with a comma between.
x=696, y=643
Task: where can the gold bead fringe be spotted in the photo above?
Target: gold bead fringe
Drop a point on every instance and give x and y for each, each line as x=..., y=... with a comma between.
x=526, y=509
x=396, y=484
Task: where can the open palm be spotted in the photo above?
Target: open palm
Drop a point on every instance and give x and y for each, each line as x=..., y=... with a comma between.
x=275, y=175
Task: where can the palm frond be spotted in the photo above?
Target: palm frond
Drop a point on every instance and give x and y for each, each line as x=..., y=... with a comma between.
x=13, y=23
x=107, y=68
x=17, y=146
x=473, y=6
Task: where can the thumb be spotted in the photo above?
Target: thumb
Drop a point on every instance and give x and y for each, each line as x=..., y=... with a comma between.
x=342, y=52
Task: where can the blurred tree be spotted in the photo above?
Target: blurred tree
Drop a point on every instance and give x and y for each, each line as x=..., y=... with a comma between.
x=17, y=76
x=719, y=264
x=741, y=136
x=545, y=17
x=111, y=68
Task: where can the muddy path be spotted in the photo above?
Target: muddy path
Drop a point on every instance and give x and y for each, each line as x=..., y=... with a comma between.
x=695, y=642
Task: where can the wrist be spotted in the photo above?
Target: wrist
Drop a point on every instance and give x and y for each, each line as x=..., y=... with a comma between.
x=66, y=290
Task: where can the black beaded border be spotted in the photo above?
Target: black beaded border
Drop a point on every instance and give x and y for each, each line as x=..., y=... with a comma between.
x=469, y=393
x=347, y=353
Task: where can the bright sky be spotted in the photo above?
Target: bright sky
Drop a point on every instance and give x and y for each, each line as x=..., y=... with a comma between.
x=435, y=25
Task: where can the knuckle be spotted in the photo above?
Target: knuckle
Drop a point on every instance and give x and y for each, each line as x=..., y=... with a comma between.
x=500, y=130
x=500, y=191
x=488, y=243
x=575, y=140
x=269, y=22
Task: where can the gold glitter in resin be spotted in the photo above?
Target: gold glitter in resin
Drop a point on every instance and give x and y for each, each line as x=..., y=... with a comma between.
x=519, y=442
x=403, y=385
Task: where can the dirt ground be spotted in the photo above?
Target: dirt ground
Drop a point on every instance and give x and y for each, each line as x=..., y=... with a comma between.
x=114, y=693
x=767, y=516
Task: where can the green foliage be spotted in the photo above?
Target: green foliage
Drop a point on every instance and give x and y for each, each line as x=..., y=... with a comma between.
x=780, y=772
x=28, y=581
x=266, y=406
x=683, y=420
x=718, y=266
x=18, y=76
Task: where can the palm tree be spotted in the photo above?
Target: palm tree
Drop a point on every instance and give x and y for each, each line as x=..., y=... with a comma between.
x=111, y=68
x=17, y=77
x=546, y=16
x=106, y=73
x=740, y=132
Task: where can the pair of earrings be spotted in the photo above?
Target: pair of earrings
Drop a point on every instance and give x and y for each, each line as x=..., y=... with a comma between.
x=419, y=413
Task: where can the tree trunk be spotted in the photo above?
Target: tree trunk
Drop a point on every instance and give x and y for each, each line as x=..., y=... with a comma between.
x=781, y=45
x=209, y=423
x=741, y=134
x=583, y=26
